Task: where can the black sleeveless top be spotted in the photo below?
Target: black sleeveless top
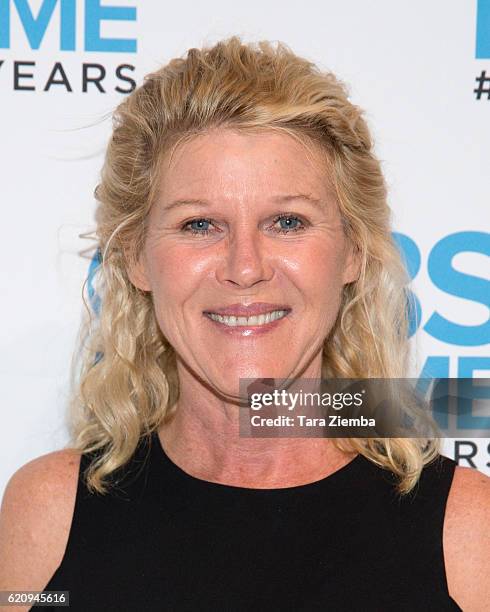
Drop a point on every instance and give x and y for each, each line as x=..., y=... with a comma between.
x=166, y=541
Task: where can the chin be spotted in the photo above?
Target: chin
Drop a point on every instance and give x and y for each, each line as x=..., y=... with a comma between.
x=254, y=370
x=230, y=385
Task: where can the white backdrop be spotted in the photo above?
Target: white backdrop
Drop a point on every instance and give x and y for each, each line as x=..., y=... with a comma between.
x=411, y=65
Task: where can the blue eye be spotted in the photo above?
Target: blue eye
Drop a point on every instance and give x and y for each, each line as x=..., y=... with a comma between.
x=197, y=226
x=288, y=224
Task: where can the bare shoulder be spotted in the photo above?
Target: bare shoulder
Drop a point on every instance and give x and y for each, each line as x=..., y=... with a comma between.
x=466, y=539
x=35, y=519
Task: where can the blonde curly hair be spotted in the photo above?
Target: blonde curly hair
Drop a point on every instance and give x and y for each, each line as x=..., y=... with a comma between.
x=124, y=375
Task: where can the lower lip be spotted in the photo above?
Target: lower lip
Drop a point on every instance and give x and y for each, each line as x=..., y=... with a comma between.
x=247, y=330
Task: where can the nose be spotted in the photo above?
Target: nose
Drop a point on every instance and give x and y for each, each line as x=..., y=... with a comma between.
x=244, y=261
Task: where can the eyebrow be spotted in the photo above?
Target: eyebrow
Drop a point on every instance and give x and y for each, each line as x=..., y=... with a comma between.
x=280, y=199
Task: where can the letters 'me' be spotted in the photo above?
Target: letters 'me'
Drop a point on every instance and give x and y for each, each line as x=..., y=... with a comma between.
x=35, y=27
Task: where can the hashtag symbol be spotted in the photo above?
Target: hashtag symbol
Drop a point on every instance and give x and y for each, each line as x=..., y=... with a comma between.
x=482, y=80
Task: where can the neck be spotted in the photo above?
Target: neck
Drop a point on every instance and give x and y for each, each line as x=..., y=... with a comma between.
x=203, y=439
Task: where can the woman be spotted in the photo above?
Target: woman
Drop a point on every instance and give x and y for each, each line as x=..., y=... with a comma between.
x=244, y=233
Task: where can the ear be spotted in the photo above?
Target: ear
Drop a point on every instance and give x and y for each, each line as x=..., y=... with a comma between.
x=353, y=260
x=137, y=274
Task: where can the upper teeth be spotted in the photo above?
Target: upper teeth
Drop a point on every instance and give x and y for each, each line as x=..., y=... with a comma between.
x=261, y=319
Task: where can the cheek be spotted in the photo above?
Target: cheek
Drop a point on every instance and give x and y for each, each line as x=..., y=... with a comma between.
x=318, y=273
x=165, y=282
x=169, y=294
x=176, y=275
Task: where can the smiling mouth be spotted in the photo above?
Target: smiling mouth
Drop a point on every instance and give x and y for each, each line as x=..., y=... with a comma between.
x=253, y=321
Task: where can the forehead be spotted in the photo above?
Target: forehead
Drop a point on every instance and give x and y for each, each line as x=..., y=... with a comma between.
x=242, y=162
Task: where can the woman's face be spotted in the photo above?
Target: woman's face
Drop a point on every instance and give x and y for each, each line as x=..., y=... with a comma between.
x=245, y=257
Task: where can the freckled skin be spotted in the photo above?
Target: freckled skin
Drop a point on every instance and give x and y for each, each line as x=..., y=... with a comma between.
x=245, y=257
x=249, y=252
